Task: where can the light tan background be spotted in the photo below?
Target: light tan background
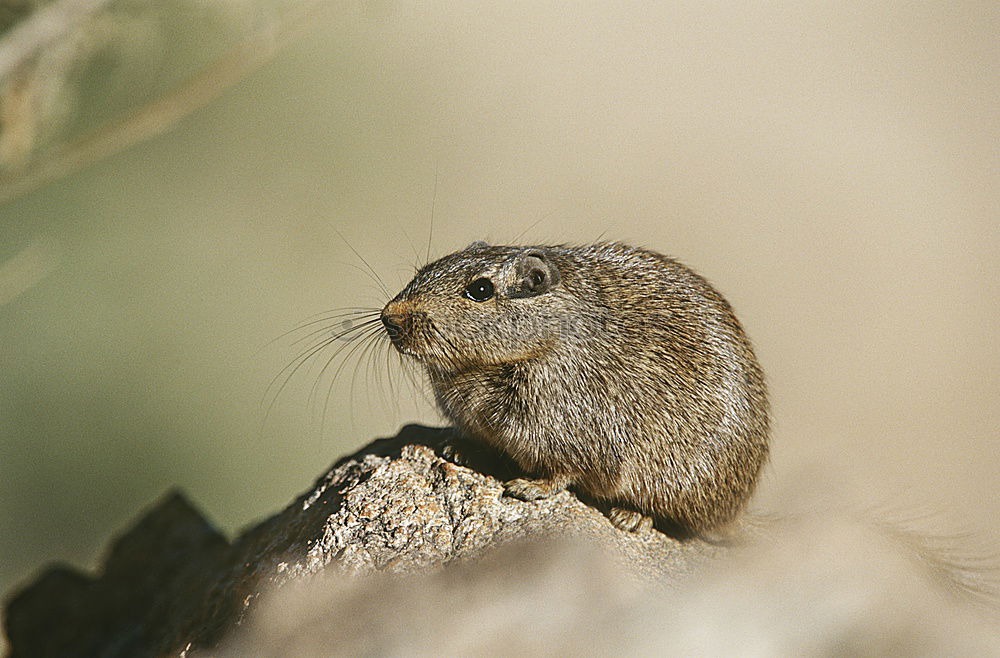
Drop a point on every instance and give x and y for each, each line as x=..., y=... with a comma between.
x=832, y=167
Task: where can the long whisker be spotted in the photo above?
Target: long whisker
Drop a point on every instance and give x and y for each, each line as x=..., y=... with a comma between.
x=361, y=336
x=413, y=247
x=361, y=341
x=387, y=354
x=533, y=225
x=377, y=278
x=294, y=366
x=298, y=362
x=417, y=383
x=354, y=374
x=381, y=290
x=350, y=408
x=340, y=310
x=371, y=371
x=347, y=312
x=367, y=323
x=336, y=375
x=434, y=196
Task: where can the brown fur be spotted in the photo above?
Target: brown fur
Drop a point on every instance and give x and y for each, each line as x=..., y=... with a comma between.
x=621, y=373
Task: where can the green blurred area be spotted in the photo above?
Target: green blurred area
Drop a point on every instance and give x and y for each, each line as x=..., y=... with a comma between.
x=139, y=358
x=826, y=167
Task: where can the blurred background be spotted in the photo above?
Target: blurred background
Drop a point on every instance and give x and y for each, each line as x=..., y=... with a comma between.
x=173, y=180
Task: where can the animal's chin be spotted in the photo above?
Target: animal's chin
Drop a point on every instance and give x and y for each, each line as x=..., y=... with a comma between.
x=411, y=352
x=439, y=362
x=435, y=360
x=431, y=361
x=407, y=351
x=404, y=345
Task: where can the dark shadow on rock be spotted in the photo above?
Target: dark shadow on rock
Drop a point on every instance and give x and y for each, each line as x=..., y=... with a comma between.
x=448, y=444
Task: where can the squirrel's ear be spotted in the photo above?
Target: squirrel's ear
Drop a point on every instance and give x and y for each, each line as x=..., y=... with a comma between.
x=478, y=244
x=536, y=273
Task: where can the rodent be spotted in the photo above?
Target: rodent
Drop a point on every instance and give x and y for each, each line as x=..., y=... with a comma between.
x=607, y=368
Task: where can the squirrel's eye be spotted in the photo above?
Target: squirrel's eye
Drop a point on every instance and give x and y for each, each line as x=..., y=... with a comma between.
x=480, y=290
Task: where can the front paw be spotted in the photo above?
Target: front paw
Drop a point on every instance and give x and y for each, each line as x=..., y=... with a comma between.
x=454, y=454
x=525, y=489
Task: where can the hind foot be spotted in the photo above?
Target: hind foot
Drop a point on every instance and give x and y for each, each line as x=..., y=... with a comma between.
x=629, y=520
x=525, y=489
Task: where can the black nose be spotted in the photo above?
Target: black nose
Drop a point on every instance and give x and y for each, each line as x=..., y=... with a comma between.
x=394, y=327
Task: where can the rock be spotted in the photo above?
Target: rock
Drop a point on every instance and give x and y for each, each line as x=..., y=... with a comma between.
x=820, y=587
x=402, y=505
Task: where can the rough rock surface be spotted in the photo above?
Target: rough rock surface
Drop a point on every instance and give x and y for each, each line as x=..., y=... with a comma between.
x=173, y=583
